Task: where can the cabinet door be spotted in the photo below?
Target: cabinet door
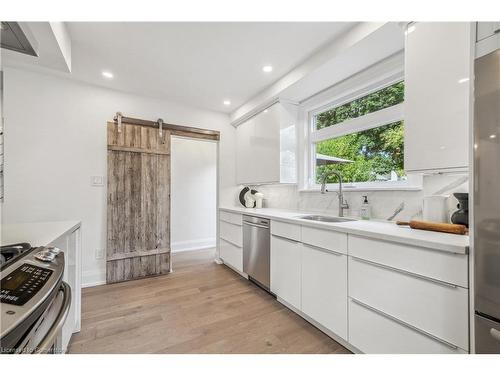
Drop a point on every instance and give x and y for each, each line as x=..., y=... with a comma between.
x=286, y=270
x=487, y=29
x=324, y=288
x=258, y=148
x=438, y=60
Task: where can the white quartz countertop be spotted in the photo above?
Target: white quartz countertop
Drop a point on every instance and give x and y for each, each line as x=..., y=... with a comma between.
x=378, y=229
x=38, y=233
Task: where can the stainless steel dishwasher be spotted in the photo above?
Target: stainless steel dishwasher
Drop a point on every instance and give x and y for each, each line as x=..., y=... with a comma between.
x=257, y=250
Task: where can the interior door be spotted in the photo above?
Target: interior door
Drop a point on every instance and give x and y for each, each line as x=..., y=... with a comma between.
x=138, y=202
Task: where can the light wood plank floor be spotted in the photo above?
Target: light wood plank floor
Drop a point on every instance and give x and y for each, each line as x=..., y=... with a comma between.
x=201, y=307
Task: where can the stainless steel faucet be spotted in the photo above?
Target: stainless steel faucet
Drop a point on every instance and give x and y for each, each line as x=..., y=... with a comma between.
x=342, y=204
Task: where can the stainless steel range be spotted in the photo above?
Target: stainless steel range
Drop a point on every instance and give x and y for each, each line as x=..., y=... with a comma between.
x=34, y=299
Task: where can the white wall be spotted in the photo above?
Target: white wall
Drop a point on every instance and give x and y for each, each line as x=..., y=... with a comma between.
x=194, y=194
x=55, y=133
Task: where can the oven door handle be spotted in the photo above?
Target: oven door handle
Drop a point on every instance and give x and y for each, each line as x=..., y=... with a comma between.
x=47, y=342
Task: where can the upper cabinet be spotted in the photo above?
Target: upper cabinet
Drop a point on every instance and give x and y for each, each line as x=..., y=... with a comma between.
x=487, y=37
x=438, y=70
x=266, y=146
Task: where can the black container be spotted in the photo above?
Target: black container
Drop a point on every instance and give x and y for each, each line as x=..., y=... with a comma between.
x=462, y=215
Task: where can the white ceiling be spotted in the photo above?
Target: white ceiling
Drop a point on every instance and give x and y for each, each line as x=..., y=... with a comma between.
x=199, y=64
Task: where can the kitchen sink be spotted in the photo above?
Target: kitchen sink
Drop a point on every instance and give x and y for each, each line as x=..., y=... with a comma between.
x=327, y=219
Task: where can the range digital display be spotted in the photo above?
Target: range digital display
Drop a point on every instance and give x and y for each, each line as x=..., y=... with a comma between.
x=19, y=286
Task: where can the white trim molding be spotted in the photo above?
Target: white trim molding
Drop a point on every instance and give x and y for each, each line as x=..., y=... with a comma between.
x=372, y=120
x=191, y=245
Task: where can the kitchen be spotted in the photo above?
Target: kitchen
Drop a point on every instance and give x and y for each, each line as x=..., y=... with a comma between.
x=306, y=199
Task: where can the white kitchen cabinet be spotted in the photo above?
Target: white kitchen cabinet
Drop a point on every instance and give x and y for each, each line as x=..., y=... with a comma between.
x=231, y=232
x=286, y=259
x=437, y=308
x=287, y=230
x=70, y=243
x=231, y=254
x=487, y=37
x=324, y=288
x=438, y=70
x=487, y=29
x=266, y=146
x=231, y=239
x=439, y=265
x=374, y=332
x=325, y=239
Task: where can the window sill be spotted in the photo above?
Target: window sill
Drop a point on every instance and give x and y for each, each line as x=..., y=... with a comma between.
x=365, y=188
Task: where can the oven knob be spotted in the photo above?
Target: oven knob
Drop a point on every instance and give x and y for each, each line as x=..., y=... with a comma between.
x=54, y=250
x=45, y=256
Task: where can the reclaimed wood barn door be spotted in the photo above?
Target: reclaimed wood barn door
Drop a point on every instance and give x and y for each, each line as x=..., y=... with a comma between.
x=138, y=208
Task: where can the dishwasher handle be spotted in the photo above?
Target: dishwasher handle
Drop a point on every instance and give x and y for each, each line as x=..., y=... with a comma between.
x=256, y=225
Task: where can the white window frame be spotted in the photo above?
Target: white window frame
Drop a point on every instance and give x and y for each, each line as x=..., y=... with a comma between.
x=373, y=79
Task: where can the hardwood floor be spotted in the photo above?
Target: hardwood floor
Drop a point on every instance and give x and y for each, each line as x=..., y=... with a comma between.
x=202, y=307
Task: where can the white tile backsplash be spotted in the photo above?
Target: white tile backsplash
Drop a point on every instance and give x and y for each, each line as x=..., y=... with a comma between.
x=383, y=203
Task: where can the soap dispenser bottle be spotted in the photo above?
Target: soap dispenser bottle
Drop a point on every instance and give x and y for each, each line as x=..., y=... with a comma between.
x=365, y=211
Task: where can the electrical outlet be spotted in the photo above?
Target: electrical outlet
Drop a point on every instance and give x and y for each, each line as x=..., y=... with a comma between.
x=99, y=254
x=97, y=180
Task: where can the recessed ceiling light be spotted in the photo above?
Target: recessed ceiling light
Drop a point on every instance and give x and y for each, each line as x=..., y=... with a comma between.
x=267, y=68
x=463, y=80
x=107, y=74
x=226, y=102
x=493, y=136
x=265, y=111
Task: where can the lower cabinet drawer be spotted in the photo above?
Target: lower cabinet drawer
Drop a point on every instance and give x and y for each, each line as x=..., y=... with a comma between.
x=286, y=230
x=231, y=232
x=372, y=332
x=231, y=254
x=439, y=309
x=325, y=239
x=231, y=217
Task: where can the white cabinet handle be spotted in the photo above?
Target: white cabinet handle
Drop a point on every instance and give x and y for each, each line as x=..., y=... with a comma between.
x=323, y=250
x=285, y=239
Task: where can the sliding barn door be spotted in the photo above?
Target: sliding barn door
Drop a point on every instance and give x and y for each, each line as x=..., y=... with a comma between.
x=138, y=233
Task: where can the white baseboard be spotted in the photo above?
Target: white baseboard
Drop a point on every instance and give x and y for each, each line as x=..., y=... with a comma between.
x=191, y=245
x=93, y=278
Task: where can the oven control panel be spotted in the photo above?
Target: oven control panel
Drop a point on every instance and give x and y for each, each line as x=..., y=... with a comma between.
x=23, y=283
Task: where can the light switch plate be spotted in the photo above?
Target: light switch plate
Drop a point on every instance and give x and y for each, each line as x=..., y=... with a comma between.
x=97, y=180
x=99, y=254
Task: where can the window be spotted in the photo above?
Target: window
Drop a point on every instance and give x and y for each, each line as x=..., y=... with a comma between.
x=376, y=155
x=361, y=136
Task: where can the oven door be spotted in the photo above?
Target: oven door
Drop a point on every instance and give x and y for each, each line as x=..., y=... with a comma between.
x=45, y=336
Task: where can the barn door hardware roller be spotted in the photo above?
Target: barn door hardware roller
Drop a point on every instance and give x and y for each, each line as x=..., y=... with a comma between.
x=160, y=127
x=119, y=121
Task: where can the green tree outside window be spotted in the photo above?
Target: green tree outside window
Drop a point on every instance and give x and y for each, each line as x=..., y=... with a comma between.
x=378, y=153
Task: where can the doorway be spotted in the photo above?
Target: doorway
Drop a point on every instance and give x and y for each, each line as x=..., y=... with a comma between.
x=193, y=199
